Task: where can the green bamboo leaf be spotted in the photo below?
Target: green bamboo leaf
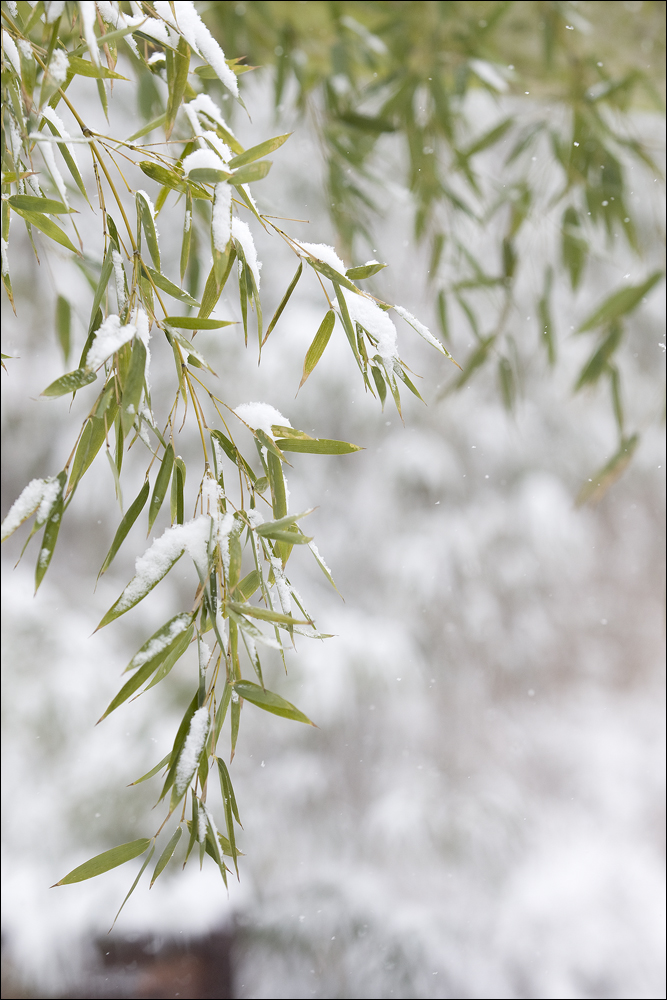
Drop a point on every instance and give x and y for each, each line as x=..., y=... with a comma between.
x=79, y=67
x=90, y=443
x=187, y=237
x=347, y=324
x=161, y=484
x=620, y=303
x=48, y=227
x=153, y=771
x=174, y=653
x=599, y=360
x=363, y=271
x=69, y=159
x=269, y=701
x=197, y=322
x=128, y=689
x=134, y=386
x=169, y=178
x=256, y=152
x=30, y=203
x=147, y=221
x=70, y=382
x=489, y=138
x=177, y=488
x=165, y=285
x=190, y=352
x=212, y=289
x=161, y=642
x=318, y=446
x=277, y=483
x=333, y=275
x=285, y=299
x=265, y=614
x=229, y=802
x=166, y=855
x=125, y=525
x=209, y=175
x=507, y=384
x=291, y=538
x=106, y=861
x=244, y=590
x=251, y=172
x=320, y=341
x=134, y=885
x=178, y=64
x=268, y=443
x=150, y=127
x=268, y=526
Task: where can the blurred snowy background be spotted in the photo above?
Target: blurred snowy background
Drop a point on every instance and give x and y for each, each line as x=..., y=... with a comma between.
x=479, y=813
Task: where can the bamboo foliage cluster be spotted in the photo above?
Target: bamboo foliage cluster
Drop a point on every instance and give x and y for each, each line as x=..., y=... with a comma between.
x=242, y=534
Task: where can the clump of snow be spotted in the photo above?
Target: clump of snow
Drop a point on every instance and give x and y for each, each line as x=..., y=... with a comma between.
x=4, y=247
x=224, y=527
x=211, y=494
x=109, y=338
x=39, y=495
x=261, y=416
x=59, y=125
x=255, y=517
x=325, y=253
x=282, y=586
x=220, y=147
x=241, y=232
x=191, y=752
x=221, y=218
x=88, y=14
x=204, y=654
x=12, y=53
x=202, y=104
x=202, y=825
x=160, y=642
x=366, y=313
x=46, y=149
x=316, y=552
x=202, y=159
x=59, y=65
x=156, y=562
x=197, y=35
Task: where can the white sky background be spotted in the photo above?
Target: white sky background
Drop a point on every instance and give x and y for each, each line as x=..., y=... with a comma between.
x=477, y=813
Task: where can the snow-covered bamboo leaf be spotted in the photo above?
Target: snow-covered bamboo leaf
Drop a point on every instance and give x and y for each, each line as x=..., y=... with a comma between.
x=106, y=861
x=179, y=741
x=70, y=382
x=256, y=152
x=620, y=303
x=269, y=701
x=251, y=172
x=51, y=530
x=188, y=759
x=55, y=128
x=320, y=341
x=161, y=642
x=187, y=236
x=166, y=855
x=364, y=270
x=172, y=657
x=134, y=683
x=130, y=517
x=318, y=446
x=333, y=275
x=165, y=285
x=161, y=485
x=268, y=526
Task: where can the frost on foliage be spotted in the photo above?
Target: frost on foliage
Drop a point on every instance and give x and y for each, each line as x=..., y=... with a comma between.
x=46, y=149
x=4, y=247
x=198, y=37
x=156, y=645
x=191, y=752
x=261, y=416
x=156, y=562
x=58, y=123
x=39, y=495
x=221, y=219
x=12, y=53
x=109, y=338
x=241, y=232
x=282, y=585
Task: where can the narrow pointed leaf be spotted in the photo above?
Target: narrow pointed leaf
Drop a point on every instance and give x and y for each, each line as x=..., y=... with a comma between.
x=177, y=78
x=166, y=855
x=148, y=223
x=30, y=203
x=318, y=345
x=285, y=299
x=318, y=446
x=106, y=861
x=48, y=227
x=153, y=771
x=165, y=285
x=251, y=172
x=620, y=303
x=265, y=614
x=161, y=485
x=70, y=382
x=134, y=385
x=125, y=525
x=134, y=884
x=364, y=271
x=196, y=322
x=256, y=152
x=269, y=701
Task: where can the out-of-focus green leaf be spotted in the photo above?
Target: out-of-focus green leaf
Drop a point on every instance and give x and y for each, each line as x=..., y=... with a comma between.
x=64, y=325
x=106, y=861
x=596, y=487
x=507, y=383
x=269, y=701
x=597, y=363
x=620, y=303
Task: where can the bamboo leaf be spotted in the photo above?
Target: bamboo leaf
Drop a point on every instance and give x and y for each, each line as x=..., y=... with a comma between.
x=50, y=536
x=153, y=771
x=70, y=382
x=161, y=484
x=145, y=214
x=320, y=341
x=134, y=386
x=265, y=614
x=179, y=741
x=197, y=322
x=48, y=227
x=251, y=172
x=256, y=152
x=285, y=299
x=597, y=486
x=318, y=446
x=363, y=271
x=134, y=884
x=79, y=67
x=165, y=285
x=166, y=855
x=125, y=525
x=106, y=861
x=178, y=64
x=64, y=325
x=30, y=203
x=269, y=701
